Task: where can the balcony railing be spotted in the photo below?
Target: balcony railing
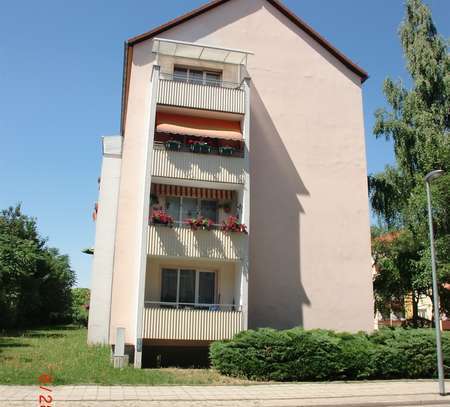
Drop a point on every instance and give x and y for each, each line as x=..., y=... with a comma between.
x=190, y=324
x=217, y=95
x=192, y=306
x=183, y=242
x=194, y=166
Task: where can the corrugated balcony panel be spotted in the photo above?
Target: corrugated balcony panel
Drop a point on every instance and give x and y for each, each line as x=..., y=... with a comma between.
x=201, y=167
x=184, y=242
x=188, y=324
x=197, y=96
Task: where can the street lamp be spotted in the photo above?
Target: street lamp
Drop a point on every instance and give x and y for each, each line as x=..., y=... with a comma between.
x=428, y=178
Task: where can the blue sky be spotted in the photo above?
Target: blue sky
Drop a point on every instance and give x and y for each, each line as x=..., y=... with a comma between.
x=60, y=89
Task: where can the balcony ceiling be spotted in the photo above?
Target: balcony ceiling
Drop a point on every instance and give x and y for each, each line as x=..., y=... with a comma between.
x=200, y=51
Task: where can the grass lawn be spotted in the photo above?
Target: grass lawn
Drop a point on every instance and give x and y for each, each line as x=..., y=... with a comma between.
x=62, y=353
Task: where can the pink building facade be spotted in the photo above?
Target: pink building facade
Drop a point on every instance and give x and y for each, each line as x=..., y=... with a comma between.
x=240, y=116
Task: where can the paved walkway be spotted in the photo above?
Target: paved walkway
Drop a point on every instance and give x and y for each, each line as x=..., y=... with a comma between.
x=375, y=393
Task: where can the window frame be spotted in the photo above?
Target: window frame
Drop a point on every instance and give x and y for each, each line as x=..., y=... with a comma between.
x=204, y=71
x=180, y=219
x=197, y=285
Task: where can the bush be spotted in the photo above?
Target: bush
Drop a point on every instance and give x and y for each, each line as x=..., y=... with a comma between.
x=407, y=353
x=297, y=354
x=80, y=306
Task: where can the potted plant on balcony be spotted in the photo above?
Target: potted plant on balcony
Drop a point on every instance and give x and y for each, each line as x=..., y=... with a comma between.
x=232, y=224
x=199, y=146
x=173, y=145
x=226, y=206
x=161, y=217
x=200, y=223
x=226, y=150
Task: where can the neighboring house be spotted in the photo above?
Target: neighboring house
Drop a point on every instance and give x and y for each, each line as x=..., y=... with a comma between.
x=399, y=311
x=236, y=109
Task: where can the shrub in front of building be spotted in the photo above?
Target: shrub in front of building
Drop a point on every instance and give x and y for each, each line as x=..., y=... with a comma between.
x=301, y=355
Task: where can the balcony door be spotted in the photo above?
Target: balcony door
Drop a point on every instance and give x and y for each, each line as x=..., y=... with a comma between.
x=188, y=287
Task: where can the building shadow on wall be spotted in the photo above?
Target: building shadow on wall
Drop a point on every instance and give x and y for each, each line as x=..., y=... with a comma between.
x=276, y=293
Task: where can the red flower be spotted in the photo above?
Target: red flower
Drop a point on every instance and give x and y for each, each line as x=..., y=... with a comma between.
x=232, y=224
x=161, y=217
x=200, y=223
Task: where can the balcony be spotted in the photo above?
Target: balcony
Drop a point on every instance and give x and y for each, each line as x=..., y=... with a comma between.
x=181, y=322
x=181, y=241
x=194, y=166
x=218, y=96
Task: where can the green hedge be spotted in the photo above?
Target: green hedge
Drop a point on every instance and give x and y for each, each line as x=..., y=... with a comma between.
x=298, y=355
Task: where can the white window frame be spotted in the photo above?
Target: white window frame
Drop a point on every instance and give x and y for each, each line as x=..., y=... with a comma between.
x=198, y=207
x=199, y=69
x=197, y=280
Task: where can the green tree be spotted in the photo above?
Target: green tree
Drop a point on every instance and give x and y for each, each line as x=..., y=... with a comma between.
x=80, y=306
x=418, y=124
x=35, y=280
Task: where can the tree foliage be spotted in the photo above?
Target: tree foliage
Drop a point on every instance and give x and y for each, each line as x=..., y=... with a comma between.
x=418, y=124
x=35, y=280
x=80, y=306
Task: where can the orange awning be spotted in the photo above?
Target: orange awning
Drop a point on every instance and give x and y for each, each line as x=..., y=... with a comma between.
x=198, y=126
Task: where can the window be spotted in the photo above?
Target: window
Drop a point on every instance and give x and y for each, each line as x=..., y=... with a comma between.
x=212, y=78
x=169, y=285
x=189, y=208
x=188, y=287
x=180, y=74
x=173, y=207
x=197, y=76
x=208, y=209
x=182, y=208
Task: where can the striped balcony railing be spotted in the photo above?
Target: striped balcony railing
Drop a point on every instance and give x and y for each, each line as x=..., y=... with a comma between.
x=201, y=96
x=181, y=241
x=201, y=167
x=190, y=324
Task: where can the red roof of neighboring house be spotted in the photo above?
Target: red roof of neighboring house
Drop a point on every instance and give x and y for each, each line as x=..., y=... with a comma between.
x=209, y=6
x=388, y=237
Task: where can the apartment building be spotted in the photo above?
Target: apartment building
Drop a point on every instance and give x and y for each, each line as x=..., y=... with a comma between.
x=235, y=195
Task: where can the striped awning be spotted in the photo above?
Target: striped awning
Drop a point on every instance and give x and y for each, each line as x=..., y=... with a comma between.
x=191, y=192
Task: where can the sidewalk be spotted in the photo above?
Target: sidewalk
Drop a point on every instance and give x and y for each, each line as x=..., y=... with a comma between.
x=375, y=393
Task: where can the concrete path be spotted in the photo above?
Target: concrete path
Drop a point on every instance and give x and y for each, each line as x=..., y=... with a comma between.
x=374, y=393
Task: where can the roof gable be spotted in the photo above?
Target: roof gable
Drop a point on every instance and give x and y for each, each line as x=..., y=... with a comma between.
x=277, y=5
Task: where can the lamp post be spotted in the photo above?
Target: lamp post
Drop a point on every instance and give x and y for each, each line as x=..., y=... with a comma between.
x=428, y=178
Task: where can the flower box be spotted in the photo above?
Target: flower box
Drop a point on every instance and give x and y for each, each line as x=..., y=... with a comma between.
x=232, y=224
x=173, y=145
x=228, y=151
x=200, y=223
x=160, y=217
x=200, y=147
